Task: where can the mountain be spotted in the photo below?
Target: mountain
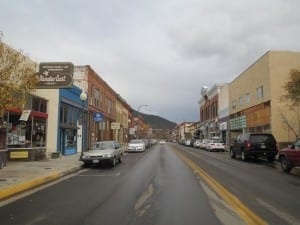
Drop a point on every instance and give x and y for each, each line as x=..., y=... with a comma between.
x=156, y=122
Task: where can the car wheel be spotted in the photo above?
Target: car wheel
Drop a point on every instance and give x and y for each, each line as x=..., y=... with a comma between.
x=232, y=154
x=113, y=162
x=270, y=159
x=86, y=164
x=285, y=166
x=120, y=159
x=244, y=157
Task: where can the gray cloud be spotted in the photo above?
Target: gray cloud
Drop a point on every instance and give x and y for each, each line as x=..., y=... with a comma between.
x=155, y=52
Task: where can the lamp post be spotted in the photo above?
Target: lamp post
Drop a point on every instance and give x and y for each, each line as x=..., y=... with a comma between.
x=138, y=126
x=83, y=97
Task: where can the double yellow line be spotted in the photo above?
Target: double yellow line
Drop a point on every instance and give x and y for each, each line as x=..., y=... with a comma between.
x=243, y=211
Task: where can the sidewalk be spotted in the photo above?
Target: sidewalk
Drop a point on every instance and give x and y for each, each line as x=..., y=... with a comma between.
x=19, y=176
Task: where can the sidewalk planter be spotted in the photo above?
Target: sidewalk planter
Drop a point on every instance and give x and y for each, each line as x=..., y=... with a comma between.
x=3, y=158
x=55, y=155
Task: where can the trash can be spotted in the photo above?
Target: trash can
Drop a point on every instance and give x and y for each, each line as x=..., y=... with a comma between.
x=3, y=157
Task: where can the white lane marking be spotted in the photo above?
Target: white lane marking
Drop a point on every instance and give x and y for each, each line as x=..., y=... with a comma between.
x=99, y=175
x=284, y=216
x=222, y=210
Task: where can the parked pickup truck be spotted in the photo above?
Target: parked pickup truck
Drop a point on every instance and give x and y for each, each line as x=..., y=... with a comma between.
x=289, y=157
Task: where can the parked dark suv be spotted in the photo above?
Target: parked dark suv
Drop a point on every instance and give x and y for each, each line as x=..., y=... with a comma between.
x=254, y=145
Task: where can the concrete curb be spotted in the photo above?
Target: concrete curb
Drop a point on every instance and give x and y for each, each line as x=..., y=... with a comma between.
x=36, y=182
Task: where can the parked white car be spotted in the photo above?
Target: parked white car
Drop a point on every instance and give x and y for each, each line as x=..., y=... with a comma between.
x=103, y=151
x=136, y=145
x=196, y=144
x=203, y=143
x=215, y=145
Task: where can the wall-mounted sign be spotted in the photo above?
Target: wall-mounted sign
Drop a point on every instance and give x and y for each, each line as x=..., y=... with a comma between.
x=238, y=123
x=98, y=116
x=55, y=75
x=18, y=155
x=115, y=126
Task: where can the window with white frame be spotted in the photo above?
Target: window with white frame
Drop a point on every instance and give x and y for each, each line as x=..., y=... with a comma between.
x=259, y=92
x=96, y=97
x=247, y=98
x=233, y=104
x=241, y=100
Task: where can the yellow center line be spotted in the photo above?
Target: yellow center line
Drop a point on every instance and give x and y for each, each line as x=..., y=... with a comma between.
x=243, y=211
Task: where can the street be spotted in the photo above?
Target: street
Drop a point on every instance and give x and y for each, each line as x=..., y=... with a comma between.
x=166, y=184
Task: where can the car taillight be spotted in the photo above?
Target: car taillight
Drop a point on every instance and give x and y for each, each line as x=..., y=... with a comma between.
x=248, y=145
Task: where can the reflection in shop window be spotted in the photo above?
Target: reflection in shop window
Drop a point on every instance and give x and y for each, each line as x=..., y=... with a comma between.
x=38, y=132
x=70, y=140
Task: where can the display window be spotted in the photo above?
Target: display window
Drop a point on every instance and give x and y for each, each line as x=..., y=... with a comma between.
x=31, y=133
x=27, y=128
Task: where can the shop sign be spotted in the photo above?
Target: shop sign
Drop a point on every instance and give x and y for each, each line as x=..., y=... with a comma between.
x=238, y=123
x=98, y=116
x=131, y=131
x=25, y=115
x=55, y=75
x=19, y=155
x=115, y=126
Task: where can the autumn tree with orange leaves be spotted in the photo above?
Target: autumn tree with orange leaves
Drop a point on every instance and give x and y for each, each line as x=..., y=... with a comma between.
x=17, y=78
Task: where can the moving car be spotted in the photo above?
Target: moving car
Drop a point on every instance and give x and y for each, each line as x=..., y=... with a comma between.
x=103, y=151
x=289, y=157
x=137, y=145
x=162, y=141
x=254, y=145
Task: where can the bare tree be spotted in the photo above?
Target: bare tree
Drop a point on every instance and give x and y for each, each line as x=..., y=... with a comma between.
x=17, y=78
x=292, y=88
x=292, y=100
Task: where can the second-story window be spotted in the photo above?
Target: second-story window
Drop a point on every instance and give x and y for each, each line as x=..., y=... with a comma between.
x=233, y=104
x=96, y=97
x=259, y=92
x=39, y=104
x=241, y=100
x=247, y=98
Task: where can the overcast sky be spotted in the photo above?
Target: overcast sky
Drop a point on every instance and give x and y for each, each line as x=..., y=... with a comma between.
x=154, y=52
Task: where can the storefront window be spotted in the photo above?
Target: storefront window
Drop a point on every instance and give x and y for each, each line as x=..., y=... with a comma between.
x=38, y=132
x=16, y=130
x=70, y=138
x=27, y=128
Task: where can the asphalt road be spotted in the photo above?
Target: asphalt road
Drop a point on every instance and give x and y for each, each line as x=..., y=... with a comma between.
x=163, y=186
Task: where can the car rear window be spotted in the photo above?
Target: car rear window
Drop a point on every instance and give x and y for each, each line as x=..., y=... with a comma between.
x=262, y=138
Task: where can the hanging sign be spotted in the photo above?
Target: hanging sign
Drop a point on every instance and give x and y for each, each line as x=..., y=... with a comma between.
x=115, y=126
x=98, y=116
x=25, y=115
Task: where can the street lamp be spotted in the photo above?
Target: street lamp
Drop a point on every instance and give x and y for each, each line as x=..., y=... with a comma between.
x=138, y=126
x=83, y=97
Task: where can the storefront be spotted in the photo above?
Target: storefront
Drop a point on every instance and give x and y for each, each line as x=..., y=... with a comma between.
x=26, y=130
x=72, y=134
